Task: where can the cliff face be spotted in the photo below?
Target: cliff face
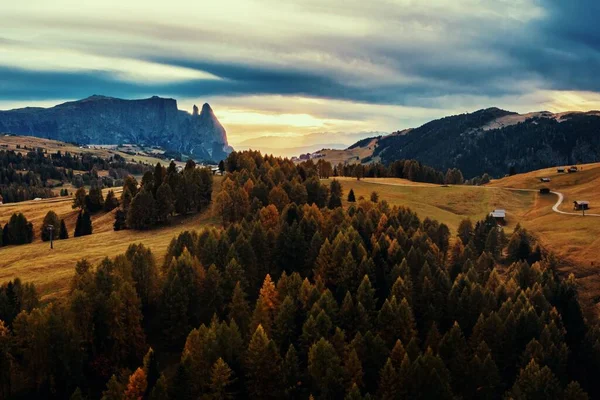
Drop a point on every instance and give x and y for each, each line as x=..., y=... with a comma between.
x=107, y=120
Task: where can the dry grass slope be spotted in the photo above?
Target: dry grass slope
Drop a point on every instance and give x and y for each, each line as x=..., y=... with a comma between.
x=51, y=270
x=574, y=238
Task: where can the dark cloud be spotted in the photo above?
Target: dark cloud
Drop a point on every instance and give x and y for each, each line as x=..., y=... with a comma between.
x=477, y=57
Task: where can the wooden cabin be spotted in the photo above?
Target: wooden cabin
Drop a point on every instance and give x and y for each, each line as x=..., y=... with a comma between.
x=544, y=179
x=581, y=205
x=544, y=191
x=499, y=215
x=560, y=170
x=573, y=169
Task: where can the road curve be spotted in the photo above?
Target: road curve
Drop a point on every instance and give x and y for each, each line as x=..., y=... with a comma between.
x=559, y=202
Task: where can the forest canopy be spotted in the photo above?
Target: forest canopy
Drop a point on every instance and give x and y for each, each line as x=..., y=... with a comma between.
x=297, y=299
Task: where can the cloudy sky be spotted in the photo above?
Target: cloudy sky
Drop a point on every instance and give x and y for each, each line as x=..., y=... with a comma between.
x=301, y=72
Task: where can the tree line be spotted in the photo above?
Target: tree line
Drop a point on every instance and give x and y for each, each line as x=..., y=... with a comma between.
x=411, y=170
x=33, y=174
x=307, y=301
x=163, y=193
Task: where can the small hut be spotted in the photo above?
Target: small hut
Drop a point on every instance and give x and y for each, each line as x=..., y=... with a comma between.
x=573, y=169
x=581, y=205
x=499, y=215
x=560, y=170
x=544, y=191
x=544, y=179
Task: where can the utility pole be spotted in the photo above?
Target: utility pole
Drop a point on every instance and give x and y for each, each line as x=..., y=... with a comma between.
x=51, y=230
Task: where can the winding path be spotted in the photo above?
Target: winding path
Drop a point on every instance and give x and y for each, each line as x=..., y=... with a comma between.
x=554, y=207
x=559, y=202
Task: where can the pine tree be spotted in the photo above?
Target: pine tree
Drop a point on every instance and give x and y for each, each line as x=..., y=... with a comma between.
x=160, y=391
x=18, y=230
x=79, y=199
x=353, y=370
x=573, y=391
x=120, y=220
x=239, y=310
x=221, y=379
x=111, y=202
x=137, y=385
x=351, y=197
x=144, y=273
x=278, y=197
x=335, y=194
x=534, y=382
x=454, y=351
x=263, y=367
x=83, y=226
x=63, y=233
x=353, y=393
x=374, y=197
x=94, y=201
x=151, y=370
x=164, y=202
x=325, y=369
x=142, y=212
x=285, y=323
x=388, y=382
x=291, y=371
x=77, y=395
x=465, y=231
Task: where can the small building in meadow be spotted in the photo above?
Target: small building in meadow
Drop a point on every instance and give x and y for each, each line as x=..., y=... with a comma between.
x=499, y=215
x=572, y=169
x=544, y=179
x=560, y=170
x=581, y=205
x=544, y=191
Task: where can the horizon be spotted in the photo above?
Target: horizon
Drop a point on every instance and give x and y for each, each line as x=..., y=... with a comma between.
x=306, y=73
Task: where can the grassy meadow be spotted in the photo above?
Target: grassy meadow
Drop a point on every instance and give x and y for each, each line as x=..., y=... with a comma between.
x=447, y=204
x=574, y=238
x=51, y=270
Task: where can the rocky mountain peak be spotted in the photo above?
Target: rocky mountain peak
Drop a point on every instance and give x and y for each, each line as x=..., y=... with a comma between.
x=108, y=120
x=206, y=109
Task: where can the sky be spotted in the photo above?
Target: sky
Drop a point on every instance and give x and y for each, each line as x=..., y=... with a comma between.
x=306, y=73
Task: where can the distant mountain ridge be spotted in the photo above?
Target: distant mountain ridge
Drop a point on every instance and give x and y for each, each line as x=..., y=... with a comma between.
x=494, y=140
x=99, y=119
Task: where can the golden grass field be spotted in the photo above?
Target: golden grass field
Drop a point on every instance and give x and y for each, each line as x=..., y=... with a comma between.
x=574, y=238
x=51, y=270
x=449, y=204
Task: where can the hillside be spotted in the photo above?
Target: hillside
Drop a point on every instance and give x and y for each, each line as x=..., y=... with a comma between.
x=51, y=270
x=574, y=238
x=490, y=140
x=105, y=120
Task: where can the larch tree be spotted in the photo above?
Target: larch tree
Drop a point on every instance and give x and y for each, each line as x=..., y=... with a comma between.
x=63, y=232
x=221, y=380
x=263, y=367
x=136, y=388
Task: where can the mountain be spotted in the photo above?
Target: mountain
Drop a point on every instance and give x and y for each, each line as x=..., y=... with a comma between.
x=495, y=141
x=106, y=120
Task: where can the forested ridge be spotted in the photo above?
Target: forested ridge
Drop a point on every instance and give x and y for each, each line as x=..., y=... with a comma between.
x=460, y=141
x=296, y=297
